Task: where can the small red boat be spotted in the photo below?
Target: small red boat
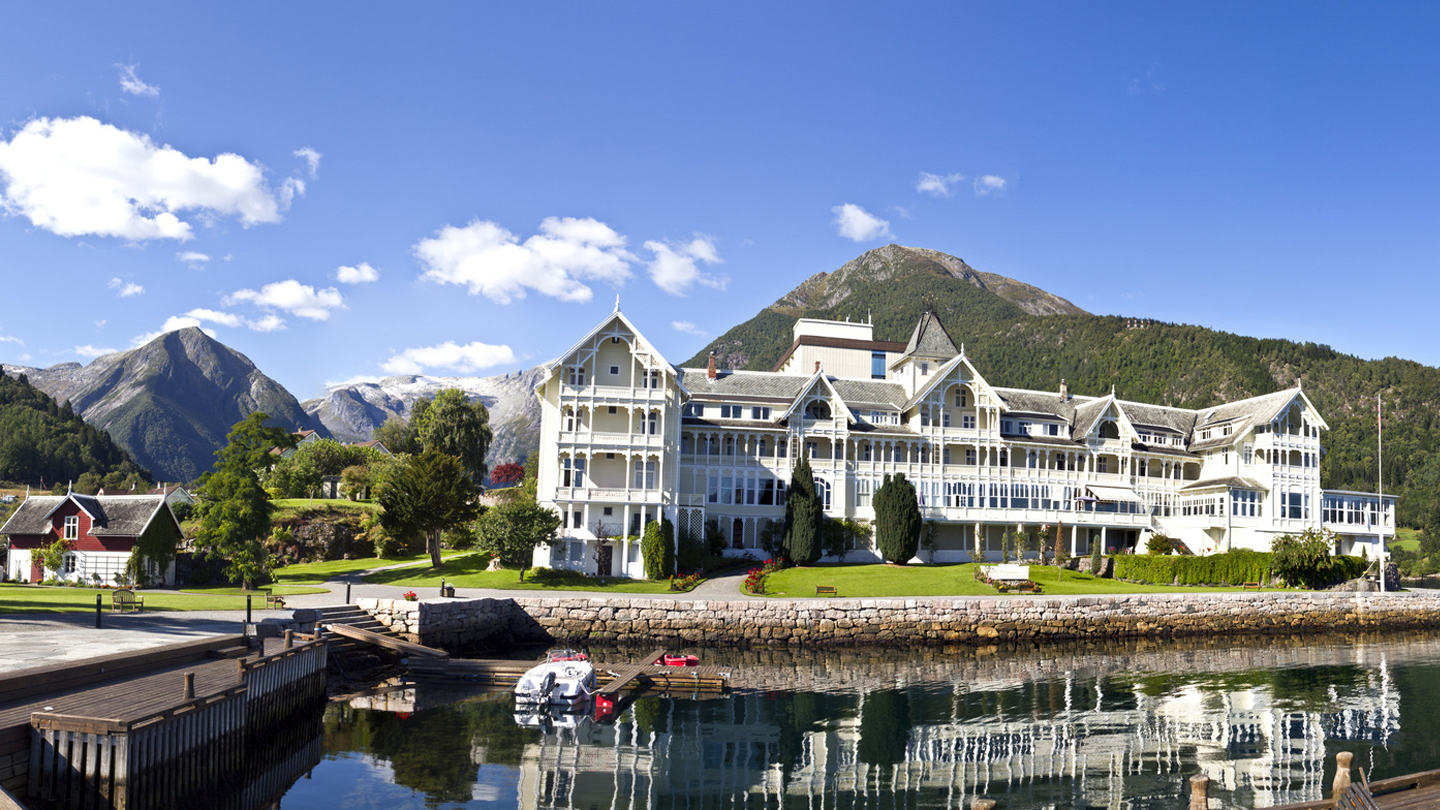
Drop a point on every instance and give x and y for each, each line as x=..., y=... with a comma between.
x=678, y=660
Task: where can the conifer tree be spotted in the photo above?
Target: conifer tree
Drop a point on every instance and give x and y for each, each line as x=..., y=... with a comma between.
x=803, y=517
x=897, y=519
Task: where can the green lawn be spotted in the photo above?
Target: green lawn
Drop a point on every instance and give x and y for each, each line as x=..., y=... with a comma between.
x=317, y=503
x=469, y=572
x=39, y=599
x=278, y=590
x=942, y=580
x=1406, y=539
x=316, y=573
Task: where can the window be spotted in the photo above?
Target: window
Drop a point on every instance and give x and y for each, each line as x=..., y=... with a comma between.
x=1102, y=465
x=877, y=365
x=862, y=493
x=924, y=369
x=70, y=563
x=730, y=411
x=614, y=371
x=652, y=424
x=1052, y=430
x=924, y=418
x=1007, y=426
x=945, y=456
x=967, y=421
x=759, y=413
x=865, y=452
x=1140, y=467
x=612, y=409
x=1024, y=428
x=569, y=419
x=614, y=338
x=962, y=398
x=694, y=409
x=609, y=510
x=945, y=419
x=575, y=375
x=577, y=551
x=970, y=456
x=822, y=488
x=572, y=472
x=578, y=522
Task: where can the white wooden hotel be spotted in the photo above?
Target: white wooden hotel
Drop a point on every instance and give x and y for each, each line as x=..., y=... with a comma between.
x=626, y=436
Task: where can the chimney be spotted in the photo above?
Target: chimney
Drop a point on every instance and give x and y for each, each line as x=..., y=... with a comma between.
x=710, y=368
x=817, y=366
x=1064, y=390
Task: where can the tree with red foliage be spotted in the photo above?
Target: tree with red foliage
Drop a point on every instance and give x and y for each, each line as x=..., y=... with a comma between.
x=509, y=473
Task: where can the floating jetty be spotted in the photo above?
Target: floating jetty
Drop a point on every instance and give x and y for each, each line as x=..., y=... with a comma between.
x=160, y=728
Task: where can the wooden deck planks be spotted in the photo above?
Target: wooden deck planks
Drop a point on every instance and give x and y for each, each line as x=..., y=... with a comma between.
x=382, y=640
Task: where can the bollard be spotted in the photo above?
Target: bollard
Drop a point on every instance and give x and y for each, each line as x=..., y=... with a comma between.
x=239, y=670
x=289, y=639
x=1199, y=792
x=247, y=608
x=347, y=593
x=1342, y=776
x=97, y=611
x=442, y=588
x=189, y=688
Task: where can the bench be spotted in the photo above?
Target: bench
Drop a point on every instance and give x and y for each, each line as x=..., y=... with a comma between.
x=825, y=590
x=125, y=600
x=273, y=602
x=1250, y=585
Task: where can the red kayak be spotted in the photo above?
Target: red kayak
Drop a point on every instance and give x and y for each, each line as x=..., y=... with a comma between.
x=677, y=660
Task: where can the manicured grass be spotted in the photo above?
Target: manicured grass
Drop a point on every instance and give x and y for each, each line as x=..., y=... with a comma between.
x=39, y=599
x=317, y=503
x=942, y=580
x=469, y=572
x=316, y=573
x=1406, y=539
x=278, y=590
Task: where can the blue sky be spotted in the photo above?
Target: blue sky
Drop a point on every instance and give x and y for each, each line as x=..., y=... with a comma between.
x=350, y=190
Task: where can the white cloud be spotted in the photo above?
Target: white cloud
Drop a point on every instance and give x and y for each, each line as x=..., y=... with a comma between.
x=557, y=261
x=676, y=268
x=128, y=289
x=937, y=185
x=361, y=273
x=77, y=176
x=92, y=351
x=172, y=324
x=9, y=339
x=687, y=327
x=859, y=225
x=269, y=323
x=215, y=316
x=989, y=183
x=100, y=324
x=130, y=83
x=293, y=297
x=465, y=359
x=195, y=259
x=312, y=159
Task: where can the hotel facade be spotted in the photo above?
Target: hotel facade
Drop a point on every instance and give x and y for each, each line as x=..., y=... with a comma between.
x=626, y=438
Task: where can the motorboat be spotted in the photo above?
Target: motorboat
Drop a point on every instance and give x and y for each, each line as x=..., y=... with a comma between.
x=564, y=678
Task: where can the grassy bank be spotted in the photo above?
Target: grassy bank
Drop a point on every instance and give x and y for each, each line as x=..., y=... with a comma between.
x=318, y=572
x=870, y=580
x=469, y=572
x=41, y=599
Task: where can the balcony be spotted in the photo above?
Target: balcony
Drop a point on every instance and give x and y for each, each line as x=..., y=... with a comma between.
x=577, y=494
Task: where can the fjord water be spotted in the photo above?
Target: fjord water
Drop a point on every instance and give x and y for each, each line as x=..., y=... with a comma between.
x=1114, y=726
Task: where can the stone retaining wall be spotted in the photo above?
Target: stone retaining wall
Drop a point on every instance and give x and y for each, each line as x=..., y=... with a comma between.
x=461, y=624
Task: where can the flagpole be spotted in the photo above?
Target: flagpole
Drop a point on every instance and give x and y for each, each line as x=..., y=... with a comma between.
x=1380, y=486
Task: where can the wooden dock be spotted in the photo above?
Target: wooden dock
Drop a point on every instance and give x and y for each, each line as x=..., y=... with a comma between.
x=613, y=678
x=1416, y=791
x=109, y=737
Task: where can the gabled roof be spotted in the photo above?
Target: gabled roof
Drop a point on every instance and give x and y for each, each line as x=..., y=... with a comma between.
x=929, y=340
x=640, y=340
x=1246, y=414
x=1087, y=414
x=943, y=373
x=870, y=392
x=758, y=384
x=818, y=379
x=1230, y=482
x=111, y=515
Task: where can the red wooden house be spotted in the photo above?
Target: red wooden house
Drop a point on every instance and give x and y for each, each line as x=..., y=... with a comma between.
x=100, y=531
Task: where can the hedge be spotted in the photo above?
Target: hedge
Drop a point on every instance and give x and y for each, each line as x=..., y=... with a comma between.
x=1235, y=567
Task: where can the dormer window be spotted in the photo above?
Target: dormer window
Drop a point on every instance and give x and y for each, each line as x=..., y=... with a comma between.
x=924, y=369
x=72, y=527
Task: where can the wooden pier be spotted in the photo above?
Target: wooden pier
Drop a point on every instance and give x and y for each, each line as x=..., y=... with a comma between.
x=156, y=739
x=613, y=679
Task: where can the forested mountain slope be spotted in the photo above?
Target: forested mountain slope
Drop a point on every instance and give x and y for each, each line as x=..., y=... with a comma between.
x=45, y=443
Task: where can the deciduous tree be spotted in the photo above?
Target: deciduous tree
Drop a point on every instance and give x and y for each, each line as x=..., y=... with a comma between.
x=513, y=529
x=458, y=427
x=423, y=495
x=234, y=510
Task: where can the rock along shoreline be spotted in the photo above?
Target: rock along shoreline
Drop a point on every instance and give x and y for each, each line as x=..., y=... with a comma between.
x=464, y=624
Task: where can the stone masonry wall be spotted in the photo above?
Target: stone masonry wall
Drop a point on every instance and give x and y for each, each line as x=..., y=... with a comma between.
x=460, y=624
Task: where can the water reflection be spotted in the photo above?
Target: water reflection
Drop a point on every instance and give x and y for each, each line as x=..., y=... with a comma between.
x=1111, y=727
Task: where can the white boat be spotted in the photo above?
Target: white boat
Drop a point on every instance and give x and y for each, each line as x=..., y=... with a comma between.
x=564, y=678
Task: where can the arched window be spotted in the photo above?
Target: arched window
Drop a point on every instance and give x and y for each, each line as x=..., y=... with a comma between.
x=653, y=426
x=1108, y=430
x=822, y=489
x=817, y=409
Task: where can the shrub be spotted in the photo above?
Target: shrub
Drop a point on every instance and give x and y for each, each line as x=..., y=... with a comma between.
x=1095, y=557
x=1235, y=567
x=1306, y=560
x=897, y=519
x=1159, y=544
x=656, y=550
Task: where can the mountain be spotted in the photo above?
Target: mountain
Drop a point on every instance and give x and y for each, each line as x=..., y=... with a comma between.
x=891, y=285
x=352, y=411
x=1023, y=337
x=44, y=442
x=171, y=402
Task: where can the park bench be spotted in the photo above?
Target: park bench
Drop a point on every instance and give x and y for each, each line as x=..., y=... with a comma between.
x=273, y=602
x=825, y=590
x=1249, y=585
x=125, y=600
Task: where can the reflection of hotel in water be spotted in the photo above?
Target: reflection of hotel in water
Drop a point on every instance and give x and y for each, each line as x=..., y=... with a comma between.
x=1102, y=744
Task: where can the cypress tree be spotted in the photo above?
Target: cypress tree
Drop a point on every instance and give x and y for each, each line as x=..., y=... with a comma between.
x=897, y=519
x=653, y=548
x=803, y=516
